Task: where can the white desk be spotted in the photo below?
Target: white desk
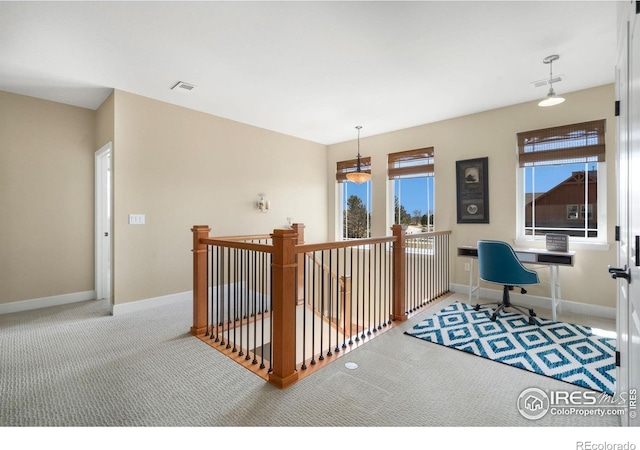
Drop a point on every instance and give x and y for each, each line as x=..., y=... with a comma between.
x=528, y=256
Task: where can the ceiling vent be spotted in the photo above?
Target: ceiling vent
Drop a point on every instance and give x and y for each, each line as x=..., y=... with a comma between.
x=182, y=86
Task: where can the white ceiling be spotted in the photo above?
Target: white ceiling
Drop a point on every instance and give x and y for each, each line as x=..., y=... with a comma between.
x=313, y=70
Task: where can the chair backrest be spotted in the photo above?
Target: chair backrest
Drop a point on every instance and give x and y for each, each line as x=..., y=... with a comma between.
x=498, y=263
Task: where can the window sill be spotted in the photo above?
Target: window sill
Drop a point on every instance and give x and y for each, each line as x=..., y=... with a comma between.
x=573, y=245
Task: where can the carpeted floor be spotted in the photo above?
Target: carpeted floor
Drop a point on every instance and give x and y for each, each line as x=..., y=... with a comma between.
x=78, y=366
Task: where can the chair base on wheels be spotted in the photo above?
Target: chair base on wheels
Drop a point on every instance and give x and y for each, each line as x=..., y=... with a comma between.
x=506, y=303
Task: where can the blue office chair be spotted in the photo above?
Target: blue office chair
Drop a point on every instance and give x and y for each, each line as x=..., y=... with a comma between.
x=499, y=264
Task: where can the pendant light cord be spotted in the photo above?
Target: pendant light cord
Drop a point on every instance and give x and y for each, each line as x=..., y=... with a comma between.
x=358, y=168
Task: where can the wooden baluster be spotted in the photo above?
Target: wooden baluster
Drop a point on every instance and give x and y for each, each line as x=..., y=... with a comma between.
x=345, y=307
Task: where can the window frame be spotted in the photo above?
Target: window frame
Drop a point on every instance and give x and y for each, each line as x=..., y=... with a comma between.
x=342, y=168
x=416, y=163
x=600, y=242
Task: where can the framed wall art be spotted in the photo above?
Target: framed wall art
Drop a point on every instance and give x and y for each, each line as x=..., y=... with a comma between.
x=472, y=183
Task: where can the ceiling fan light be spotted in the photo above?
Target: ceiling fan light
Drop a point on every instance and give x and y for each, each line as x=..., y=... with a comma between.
x=551, y=99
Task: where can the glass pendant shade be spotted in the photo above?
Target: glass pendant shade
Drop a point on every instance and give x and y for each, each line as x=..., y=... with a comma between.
x=358, y=176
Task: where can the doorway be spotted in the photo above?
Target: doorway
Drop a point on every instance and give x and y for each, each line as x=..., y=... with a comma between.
x=103, y=225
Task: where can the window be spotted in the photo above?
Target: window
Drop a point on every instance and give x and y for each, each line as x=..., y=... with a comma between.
x=563, y=177
x=572, y=212
x=355, y=200
x=411, y=175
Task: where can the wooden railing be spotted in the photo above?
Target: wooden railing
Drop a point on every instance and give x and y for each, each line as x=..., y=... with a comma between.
x=282, y=307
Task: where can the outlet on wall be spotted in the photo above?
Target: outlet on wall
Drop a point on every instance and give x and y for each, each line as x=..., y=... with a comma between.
x=466, y=267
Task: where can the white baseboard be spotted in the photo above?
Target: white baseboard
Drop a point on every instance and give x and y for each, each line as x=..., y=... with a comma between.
x=140, y=305
x=534, y=301
x=123, y=308
x=45, y=302
x=148, y=303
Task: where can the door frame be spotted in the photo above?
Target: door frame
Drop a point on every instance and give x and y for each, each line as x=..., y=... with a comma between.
x=103, y=191
x=628, y=190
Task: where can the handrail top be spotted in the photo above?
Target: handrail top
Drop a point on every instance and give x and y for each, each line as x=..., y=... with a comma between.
x=301, y=248
x=265, y=248
x=239, y=242
x=427, y=234
x=244, y=237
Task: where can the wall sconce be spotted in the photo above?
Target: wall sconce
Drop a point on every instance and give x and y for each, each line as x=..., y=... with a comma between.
x=263, y=205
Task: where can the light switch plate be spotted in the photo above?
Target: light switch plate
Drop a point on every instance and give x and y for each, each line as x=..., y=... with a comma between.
x=136, y=219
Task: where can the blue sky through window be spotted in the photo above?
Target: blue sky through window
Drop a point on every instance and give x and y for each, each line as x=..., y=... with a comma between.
x=359, y=190
x=418, y=193
x=546, y=177
x=415, y=194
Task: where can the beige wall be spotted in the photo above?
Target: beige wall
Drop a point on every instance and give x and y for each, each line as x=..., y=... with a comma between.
x=493, y=134
x=46, y=198
x=177, y=166
x=105, y=123
x=180, y=167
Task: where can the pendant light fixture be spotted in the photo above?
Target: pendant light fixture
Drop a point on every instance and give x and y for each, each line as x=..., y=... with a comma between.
x=551, y=98
x=358, y=176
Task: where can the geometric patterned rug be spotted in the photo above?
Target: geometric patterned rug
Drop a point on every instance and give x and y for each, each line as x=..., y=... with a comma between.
x=567, y=352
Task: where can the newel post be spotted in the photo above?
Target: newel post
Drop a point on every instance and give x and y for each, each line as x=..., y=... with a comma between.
x=399, y=282
x=299, y=229
x=283, y=306
x=199, y=280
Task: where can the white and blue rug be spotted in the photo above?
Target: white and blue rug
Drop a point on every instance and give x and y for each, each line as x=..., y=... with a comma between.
x=564, y=351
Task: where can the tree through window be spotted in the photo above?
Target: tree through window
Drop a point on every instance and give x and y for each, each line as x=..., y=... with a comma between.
x=355, y=201
x=412, y=175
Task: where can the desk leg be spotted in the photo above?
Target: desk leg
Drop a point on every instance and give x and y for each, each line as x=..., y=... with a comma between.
x=559, y=305
x=477, y=288
x=470, y=279
x=556, y=289
x=473, y=287
x=552, y=281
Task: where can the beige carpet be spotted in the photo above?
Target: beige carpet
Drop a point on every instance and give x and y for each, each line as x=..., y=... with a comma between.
x=77, y=366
